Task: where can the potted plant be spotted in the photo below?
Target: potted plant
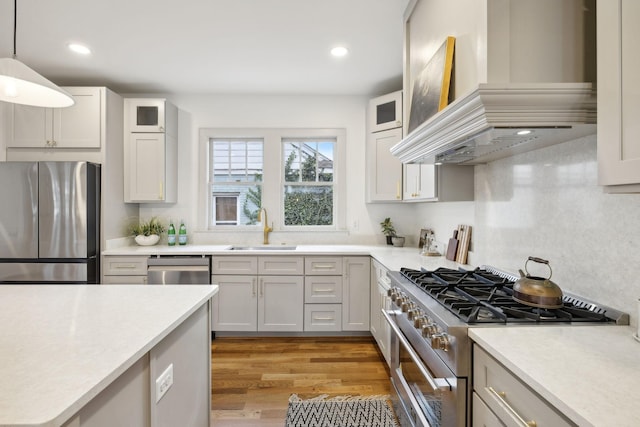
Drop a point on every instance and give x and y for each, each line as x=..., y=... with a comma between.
x=147, y=233
x=388, y=229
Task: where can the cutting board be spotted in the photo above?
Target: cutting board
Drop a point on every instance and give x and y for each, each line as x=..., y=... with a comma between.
x=452, y=248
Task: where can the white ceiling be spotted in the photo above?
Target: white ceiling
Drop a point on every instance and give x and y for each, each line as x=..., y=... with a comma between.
x=212, y=46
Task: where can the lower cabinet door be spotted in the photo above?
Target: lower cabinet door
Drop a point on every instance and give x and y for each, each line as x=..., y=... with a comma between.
x=322, y=317
x=280, y=303
x=234, y=306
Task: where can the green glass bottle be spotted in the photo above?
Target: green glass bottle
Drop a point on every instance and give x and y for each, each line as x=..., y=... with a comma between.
x=182, y=234
x=171, y=234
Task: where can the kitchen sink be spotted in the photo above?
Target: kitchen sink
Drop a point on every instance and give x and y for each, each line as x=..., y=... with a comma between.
x=263, y=248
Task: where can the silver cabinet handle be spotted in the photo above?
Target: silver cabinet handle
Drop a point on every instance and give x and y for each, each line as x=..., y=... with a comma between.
x=261, y=287
x=501, y=397
x=253, y=287
x=322, y=266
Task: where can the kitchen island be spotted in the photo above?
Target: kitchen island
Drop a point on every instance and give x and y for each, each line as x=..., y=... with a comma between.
x=76, y=355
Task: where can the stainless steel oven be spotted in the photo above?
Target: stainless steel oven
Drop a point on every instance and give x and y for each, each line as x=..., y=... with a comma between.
x=426, y=393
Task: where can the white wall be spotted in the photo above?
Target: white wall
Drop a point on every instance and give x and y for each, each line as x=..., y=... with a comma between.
x=254, y=111
x=547, y=203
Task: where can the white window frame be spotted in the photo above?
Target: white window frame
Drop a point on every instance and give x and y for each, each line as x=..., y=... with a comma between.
x=273, y=175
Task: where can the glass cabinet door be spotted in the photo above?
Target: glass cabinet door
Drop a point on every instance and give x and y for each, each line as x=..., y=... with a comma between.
x=146, y=115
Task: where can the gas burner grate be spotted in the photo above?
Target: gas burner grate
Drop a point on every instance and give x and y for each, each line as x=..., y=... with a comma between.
x=483, y=296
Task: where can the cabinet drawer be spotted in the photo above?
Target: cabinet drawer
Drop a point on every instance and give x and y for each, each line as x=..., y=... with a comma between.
x=482, y=415
x=322, y=265
x=508, y=397
x=281, y=265
x=323, y=317
x=125, y=266
x=124, y=280
x=323, y=289
x=234, y=265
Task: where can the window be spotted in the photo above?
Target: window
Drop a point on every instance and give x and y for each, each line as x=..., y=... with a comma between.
x=297, y=175
x=225, y=209
x=235, y=180
x=308, y=181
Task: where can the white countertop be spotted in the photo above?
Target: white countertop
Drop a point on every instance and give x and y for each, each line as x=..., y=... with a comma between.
x=390, y=256
x=61, y=345
x=590, y=373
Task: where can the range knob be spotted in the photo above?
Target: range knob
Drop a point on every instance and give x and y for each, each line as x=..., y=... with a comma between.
x=429, y=329
x=440, y=342
x=419, y=321
x=392, y=293
x=414, y=312
x=401, y=299
x=407, y=305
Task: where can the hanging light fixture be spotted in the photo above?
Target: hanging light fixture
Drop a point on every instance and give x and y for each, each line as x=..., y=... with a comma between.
x=19, y=84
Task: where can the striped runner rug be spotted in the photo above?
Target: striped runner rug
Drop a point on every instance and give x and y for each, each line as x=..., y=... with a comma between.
x=341, y=411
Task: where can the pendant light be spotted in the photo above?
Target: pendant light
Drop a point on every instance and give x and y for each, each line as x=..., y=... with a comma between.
x=19, y=84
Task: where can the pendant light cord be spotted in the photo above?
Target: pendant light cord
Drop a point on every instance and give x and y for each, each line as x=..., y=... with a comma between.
x=15, y=24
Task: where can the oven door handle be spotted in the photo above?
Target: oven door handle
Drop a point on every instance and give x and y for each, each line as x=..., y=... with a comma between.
x=434, y=383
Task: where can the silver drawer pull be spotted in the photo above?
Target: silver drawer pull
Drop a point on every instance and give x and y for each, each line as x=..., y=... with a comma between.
x=323, y=266
x=501, y=397
x=125, y=266
x=323, y=318
x=324, y=290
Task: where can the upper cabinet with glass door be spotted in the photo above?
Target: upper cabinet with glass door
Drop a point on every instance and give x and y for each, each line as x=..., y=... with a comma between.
x=385, y=112
x=146, y=115
x=384, y=130
x=151, y=151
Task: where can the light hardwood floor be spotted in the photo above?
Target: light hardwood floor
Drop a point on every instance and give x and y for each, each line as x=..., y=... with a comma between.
x=252, y=378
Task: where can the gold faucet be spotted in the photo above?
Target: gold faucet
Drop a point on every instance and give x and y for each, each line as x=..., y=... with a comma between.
x=266, y=229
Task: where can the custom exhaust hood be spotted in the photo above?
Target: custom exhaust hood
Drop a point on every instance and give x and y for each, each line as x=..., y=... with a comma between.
x=500, y=120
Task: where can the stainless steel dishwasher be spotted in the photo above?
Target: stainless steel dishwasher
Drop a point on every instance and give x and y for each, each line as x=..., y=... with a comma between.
x=179, y=270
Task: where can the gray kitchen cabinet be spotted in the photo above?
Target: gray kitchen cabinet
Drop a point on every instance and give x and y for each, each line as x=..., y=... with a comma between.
x=437, y=183
x=258, y=293
x=290, y=293
x=384, y=130
x=151, y=153
x=380, y=329
x=124, y=270
x=131, y=399
x=355, y=293
x=323, y=293
x=618, y=101
x=501, y=396
x=78, y=126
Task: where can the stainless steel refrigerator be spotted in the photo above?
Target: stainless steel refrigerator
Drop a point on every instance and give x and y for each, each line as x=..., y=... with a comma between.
x=49, y=222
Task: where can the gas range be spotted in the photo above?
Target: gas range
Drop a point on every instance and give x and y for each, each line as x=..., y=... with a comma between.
x=431, y=353
x=442, y=304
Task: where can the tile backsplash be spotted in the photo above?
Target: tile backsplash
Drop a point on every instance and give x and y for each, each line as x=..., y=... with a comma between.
x=547, y=203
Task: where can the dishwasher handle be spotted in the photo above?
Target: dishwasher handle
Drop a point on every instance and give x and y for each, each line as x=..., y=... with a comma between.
x=179, y=261
x=178, y=268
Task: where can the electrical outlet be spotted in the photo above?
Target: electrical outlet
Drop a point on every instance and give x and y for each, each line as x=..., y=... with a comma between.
x=164, y=382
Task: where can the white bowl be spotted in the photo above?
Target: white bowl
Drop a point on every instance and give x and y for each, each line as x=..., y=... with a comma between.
x=147, y=240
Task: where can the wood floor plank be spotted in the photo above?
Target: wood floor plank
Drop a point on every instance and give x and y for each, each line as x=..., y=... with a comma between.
x=253, y=378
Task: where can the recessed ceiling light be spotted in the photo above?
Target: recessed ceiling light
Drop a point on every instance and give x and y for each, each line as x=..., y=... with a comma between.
x=523, y=132
x=339, y=51
x=79, y=48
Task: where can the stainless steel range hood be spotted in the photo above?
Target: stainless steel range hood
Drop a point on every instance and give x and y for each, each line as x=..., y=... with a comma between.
x=500, y=120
